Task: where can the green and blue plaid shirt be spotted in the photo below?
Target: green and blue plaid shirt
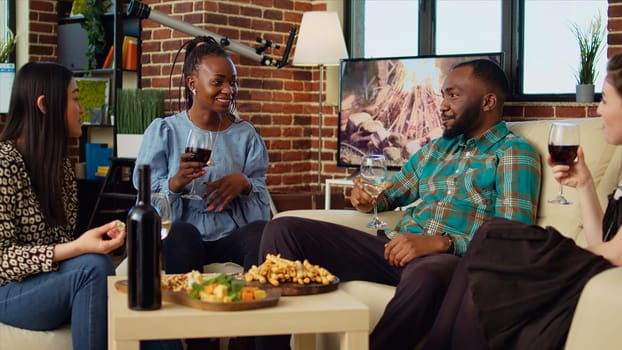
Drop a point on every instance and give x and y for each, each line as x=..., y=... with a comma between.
x=461, y=183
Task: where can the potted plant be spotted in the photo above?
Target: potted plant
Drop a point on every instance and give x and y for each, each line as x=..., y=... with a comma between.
x=590, y=47
x=93, y=10
x=7, y=70
x=135, y=109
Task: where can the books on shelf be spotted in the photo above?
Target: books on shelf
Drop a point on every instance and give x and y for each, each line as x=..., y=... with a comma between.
x=129, y=54
x=109, y=58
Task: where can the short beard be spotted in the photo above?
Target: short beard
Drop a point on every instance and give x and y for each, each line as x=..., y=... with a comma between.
x=463, y=123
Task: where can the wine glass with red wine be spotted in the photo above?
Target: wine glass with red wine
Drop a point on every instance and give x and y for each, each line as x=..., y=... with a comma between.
x=563, y=145
x=200, y=144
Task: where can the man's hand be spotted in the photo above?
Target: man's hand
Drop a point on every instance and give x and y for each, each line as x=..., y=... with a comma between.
x=405, y=247
x=360, y=199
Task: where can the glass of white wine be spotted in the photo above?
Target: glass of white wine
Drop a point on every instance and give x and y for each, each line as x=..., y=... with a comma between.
x=373, y=173
x=161, y=204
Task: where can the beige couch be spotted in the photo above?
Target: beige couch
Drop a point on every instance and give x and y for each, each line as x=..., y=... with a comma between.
x=600, y=306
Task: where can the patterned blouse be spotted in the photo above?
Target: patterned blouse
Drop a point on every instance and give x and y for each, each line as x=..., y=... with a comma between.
x=26, y=241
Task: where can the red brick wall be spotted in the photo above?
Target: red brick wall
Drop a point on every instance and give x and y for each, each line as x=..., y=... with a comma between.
x=43, y=28
x=282, y=103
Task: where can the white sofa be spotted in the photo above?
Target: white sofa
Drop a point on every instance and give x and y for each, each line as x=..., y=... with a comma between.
x=600, y=307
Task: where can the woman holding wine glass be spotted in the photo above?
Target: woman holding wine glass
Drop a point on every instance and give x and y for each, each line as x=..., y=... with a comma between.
x=230, y=181
x=226, y=223
x=563, y=145
x=199, y=145
x=497, y=298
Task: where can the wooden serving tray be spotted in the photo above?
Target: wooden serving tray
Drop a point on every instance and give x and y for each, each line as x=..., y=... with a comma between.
x=295, y=289
x=271, y=299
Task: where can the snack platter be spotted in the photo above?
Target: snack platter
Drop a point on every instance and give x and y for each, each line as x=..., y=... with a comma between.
x=290, y=277
x=294, y=289
x=180, y=297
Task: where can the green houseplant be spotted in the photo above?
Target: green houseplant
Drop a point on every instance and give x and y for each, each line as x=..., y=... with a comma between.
x=591, y=43
x=135, y=109
x=7, y=69
x=7, y=46
x=93, y=10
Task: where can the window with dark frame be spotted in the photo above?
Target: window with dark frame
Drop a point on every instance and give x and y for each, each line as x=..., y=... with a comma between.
x=537, y=51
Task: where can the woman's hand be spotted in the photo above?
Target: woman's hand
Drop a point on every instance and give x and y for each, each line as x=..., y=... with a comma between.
x=221, y=192
x=576, y=175
x=94, y=240
x=188, y=171
x=100, y=240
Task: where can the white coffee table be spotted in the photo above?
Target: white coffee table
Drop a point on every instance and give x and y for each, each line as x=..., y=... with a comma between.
x=303, y=316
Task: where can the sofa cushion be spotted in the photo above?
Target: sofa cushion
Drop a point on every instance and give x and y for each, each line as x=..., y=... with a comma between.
x=21, y=339
x=604, y=160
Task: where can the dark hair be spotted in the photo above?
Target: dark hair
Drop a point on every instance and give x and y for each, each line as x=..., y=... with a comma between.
x=614, y=72
x=196, y=49
x=44, y=135
x=491, y=74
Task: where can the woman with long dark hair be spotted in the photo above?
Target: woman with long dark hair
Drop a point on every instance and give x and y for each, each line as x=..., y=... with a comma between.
x=48, y=277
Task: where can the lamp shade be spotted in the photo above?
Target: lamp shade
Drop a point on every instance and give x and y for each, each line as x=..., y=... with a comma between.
x=320, y=40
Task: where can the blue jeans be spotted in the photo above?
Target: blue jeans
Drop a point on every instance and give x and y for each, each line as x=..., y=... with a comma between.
x=76, y=292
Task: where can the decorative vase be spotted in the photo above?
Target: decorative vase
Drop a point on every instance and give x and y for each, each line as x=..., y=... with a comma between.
x=585, y=93
x=7, y=74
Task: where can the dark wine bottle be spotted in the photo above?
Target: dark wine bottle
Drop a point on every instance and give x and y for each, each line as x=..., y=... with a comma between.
x=143, y=248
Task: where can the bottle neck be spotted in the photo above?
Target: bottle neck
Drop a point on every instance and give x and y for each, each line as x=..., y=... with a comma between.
x=144, y=184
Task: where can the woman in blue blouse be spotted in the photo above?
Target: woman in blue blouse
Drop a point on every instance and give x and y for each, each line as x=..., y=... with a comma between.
x=227, y=224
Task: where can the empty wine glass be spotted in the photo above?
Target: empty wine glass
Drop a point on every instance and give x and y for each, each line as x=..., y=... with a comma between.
x=200, y=144
x=563, y=145
x=163, y=207
x=373, y=173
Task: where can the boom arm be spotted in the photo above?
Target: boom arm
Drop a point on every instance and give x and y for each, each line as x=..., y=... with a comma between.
x=143, y=11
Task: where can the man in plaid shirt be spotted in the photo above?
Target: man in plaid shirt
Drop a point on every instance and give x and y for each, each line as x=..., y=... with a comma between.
x=476, y=171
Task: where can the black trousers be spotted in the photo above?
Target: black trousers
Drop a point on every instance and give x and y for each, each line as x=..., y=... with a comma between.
x=351, y=254
x=184, y=249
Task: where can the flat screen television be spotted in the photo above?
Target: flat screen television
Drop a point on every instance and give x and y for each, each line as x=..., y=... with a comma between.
x=392, y=105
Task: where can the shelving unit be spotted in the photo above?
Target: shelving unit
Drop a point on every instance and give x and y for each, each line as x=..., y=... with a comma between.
x=72, y=46
x=101, y=199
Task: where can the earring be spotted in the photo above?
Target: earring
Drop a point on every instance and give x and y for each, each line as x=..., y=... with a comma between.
x=194, y=91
